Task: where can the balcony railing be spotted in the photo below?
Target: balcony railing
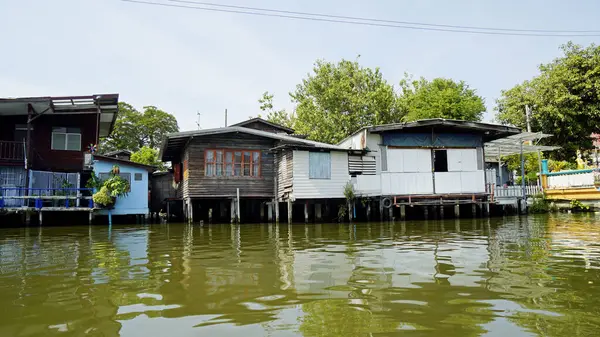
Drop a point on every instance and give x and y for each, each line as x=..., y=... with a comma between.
x=12, y=151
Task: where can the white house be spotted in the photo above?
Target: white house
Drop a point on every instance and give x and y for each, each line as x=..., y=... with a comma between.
x=427, y=159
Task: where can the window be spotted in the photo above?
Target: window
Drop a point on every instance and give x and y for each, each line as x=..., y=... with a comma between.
x=137, y=177
x=319, y=165
x=66, y=139
x=440, y=161
x=232, y=163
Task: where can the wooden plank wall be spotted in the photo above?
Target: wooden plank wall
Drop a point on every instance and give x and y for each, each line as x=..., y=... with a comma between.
x=200, y=186
x=285, y=169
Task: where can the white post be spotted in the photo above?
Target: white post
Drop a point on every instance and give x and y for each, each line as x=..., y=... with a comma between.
x=238, y=217
x=78, y=187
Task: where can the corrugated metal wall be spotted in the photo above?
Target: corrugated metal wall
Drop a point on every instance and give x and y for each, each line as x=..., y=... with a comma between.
x=305, y=188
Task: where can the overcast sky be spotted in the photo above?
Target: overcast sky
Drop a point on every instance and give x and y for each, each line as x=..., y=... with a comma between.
x=185, y=61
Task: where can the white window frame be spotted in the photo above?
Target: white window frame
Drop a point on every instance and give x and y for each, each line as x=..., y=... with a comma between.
x=67, y=135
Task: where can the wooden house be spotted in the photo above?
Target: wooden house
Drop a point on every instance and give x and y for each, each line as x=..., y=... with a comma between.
x=257, y=163
x=433, y=161
x=43, y=137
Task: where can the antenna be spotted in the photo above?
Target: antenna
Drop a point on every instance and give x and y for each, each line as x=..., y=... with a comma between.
x=198, y=122
x=225, y=117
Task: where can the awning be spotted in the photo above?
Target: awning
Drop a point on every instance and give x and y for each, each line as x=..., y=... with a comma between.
x=511, y=145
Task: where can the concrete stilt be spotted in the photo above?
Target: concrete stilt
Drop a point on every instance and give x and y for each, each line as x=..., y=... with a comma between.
x=368, y=211
x=306, y=212
x=318, y=216
x=40, y=217
x=168, y=211
x=402, y=212
x=380, y=209
x=210, y=211
x=270, y=210
x=441, y=210
x=391, y=213
x=426, y=212
x=289, y=206
x=232, y=211
x=27, y=217
x=474, y=209
x=486, y=209
x=91, y=217
x=457, y=211
x=276, y=210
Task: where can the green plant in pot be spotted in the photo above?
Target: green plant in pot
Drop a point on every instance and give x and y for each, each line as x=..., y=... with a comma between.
x=103, y=199
x=113, y=188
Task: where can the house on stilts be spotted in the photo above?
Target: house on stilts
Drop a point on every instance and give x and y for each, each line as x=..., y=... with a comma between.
x=254, y=171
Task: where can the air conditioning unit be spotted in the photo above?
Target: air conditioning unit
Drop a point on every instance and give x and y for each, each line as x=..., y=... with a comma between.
x=88, y=162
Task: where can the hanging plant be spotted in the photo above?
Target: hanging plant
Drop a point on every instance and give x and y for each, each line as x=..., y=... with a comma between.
x=103, y=199
x=116, y=170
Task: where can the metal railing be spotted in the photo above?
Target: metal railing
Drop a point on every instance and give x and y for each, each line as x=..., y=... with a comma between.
x=47, y=197
x=12, y=151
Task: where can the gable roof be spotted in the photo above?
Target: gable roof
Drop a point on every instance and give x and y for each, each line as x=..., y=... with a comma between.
x=266, y=122
x=117, y=152
x=149, y=168
x=175, y=141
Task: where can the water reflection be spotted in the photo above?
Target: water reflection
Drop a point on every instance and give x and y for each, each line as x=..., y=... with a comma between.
x=512, y=276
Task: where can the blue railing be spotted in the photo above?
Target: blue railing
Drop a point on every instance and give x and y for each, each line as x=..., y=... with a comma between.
x=47, y=197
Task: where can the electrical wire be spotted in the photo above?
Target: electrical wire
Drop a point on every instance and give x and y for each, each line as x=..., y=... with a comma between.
x=372, y=24
x=382, y=20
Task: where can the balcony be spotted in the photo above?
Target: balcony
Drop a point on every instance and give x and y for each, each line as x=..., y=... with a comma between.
x=12, y=152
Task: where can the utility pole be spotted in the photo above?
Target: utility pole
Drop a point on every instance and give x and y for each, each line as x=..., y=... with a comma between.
x=198, y=122
x=225, y=117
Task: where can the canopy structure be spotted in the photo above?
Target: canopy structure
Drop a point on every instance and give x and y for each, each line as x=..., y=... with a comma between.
x=512, y=145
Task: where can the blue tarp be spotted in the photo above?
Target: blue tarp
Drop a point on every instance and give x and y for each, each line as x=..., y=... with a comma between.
x=432, y=139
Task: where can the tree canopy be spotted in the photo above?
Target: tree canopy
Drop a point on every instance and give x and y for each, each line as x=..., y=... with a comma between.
x=336, y=99
x=439, y=98
x=148, y=156
x=134, y=130
x=564, y=99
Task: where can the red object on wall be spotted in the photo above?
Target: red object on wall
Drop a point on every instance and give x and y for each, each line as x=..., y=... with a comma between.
x=177, y=173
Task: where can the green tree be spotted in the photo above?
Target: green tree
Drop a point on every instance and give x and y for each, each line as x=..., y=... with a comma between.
x=280, y=117
x=148, y=156
x=337, y=99
x=134, y=130
x=439, y=98
x=564, y=98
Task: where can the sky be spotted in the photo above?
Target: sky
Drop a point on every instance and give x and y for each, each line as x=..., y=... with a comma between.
x=186, y=61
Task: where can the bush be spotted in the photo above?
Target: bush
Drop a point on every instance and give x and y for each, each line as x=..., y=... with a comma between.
x=103, y=197
x=539, y=205
x=578, y=206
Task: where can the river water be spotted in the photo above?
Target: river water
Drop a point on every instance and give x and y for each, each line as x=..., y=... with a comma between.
x=525, y=276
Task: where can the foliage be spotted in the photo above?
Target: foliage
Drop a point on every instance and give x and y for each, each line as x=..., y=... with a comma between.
x=349, y=192
x=578, y=206
x=337, y=99
x=342, y=212
x=148, y=156
x=564, y=98
x=134, y=130
x=102, y=197
x=439, y=98
x=117, y=186
x=93, y=182
x=539, y=204
x=280, y=117
x=560, y=165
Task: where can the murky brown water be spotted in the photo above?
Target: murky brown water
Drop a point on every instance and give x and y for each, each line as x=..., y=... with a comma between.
x=499, y=277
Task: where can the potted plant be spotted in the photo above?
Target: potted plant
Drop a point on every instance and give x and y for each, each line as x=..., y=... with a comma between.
x=103, y=199
x=113, y=188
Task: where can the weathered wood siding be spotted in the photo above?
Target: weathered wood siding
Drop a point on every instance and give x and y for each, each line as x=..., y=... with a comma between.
x=198, y=185
x=285, y=172
x=305, y=188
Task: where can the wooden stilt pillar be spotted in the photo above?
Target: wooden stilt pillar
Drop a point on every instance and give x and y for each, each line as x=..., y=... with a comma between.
x=368, y=211
x=402, y=212
x=441, y=211
x=270, y=210
x=306, y=211
x=381, y=209
x=232, y=211
x=318, y=216
x=349, y=205
x=27, y=218
x=168, y=210
x=289, y=206
x=276, y=211
x=474, y=210
x=426, y=212
x=457, y=211
x=262, y=212
x=391, y=213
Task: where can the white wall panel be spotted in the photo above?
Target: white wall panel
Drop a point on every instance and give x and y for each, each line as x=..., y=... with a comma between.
x=409, y=160
x=448, y=182
x=406, y=183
